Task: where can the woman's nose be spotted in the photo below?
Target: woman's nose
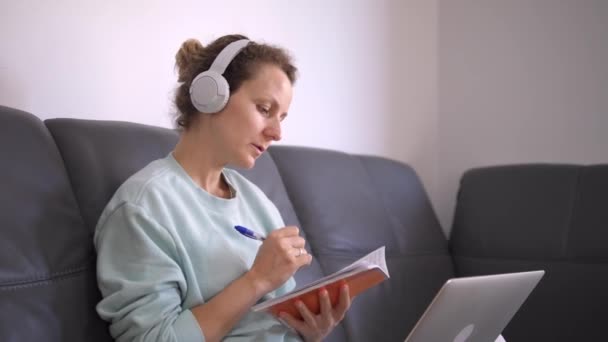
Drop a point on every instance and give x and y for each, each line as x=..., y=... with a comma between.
x=273, y=130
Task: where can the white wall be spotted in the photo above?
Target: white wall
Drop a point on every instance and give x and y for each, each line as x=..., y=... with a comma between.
x=520, y=81
x=368, y=67
x=442, y=85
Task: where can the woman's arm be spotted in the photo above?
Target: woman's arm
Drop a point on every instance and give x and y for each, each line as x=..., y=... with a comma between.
x=217, y=316
x=275, y=263
x=142, y=282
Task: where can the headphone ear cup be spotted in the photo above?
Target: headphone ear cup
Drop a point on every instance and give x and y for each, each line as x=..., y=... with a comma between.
x=209, y=92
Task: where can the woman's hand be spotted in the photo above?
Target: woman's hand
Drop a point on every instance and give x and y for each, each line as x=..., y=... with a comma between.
x=279, y=257
x=315, y=328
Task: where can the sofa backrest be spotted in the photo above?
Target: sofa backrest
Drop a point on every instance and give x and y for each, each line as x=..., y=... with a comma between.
x=62, y=173
x=48, y=290
x=349, y=205
x=551, y=217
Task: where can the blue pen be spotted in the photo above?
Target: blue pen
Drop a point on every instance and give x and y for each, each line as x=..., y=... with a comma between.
x=249, y=233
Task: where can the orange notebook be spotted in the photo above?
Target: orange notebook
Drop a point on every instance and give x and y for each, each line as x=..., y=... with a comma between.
x=360, y=276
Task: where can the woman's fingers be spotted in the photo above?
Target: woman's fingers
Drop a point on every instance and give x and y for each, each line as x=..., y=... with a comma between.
x=292, y=322
x=290, y=244
x=326, y=310
x=343, y=303
x=307, y=316
x=315, y=327
x=288, y=231
x=280, y=256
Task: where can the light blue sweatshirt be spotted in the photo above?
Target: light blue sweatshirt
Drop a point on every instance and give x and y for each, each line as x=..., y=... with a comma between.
x=166, y=245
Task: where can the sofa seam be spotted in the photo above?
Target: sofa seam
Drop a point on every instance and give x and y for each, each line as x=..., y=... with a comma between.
x=67, y=172
x=279, y=171
x=389, y=216
x=575, y=199
x=50, y=278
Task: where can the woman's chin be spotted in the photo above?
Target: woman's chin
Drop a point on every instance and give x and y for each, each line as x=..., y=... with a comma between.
x=246, y=163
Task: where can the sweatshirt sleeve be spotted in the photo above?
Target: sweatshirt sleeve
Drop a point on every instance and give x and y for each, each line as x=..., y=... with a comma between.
x=141, y=282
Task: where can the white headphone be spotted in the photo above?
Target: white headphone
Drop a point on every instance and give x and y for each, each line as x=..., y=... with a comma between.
x=209, y=91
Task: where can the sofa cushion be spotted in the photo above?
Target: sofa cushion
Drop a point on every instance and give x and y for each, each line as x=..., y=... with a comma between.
x=101, y=155
x=47, y=287
x=520, y=211
x=350, y=205
x=540, y=216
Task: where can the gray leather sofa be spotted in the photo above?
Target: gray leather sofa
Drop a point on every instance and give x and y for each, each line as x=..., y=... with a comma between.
x=58, y=174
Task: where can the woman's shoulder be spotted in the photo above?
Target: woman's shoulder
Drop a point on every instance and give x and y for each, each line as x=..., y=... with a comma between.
x=152, y=179
x=142, y=192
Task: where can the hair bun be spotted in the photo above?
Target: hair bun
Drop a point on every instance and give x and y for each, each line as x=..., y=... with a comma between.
x=188, y=55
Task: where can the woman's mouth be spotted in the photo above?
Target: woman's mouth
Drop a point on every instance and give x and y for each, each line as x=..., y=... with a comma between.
x=259, y=148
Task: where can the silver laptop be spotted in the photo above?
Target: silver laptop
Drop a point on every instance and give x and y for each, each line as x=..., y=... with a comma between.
x=474, y=309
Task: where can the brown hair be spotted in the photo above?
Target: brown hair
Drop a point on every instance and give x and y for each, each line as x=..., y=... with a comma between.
x=192, y=59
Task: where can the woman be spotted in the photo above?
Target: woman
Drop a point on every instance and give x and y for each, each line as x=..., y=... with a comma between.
x=171, y=266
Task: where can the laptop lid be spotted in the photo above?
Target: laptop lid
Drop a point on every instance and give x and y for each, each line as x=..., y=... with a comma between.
x=474, y=309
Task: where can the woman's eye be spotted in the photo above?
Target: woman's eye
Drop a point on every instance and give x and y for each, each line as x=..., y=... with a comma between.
x=263, y=110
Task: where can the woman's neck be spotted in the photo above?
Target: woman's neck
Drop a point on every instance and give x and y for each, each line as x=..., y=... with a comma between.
x=197, y=158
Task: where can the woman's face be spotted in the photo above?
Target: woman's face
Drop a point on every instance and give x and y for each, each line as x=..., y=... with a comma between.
x=252, y=118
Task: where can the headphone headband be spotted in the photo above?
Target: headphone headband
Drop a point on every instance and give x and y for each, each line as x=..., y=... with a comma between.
x=226, y=56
